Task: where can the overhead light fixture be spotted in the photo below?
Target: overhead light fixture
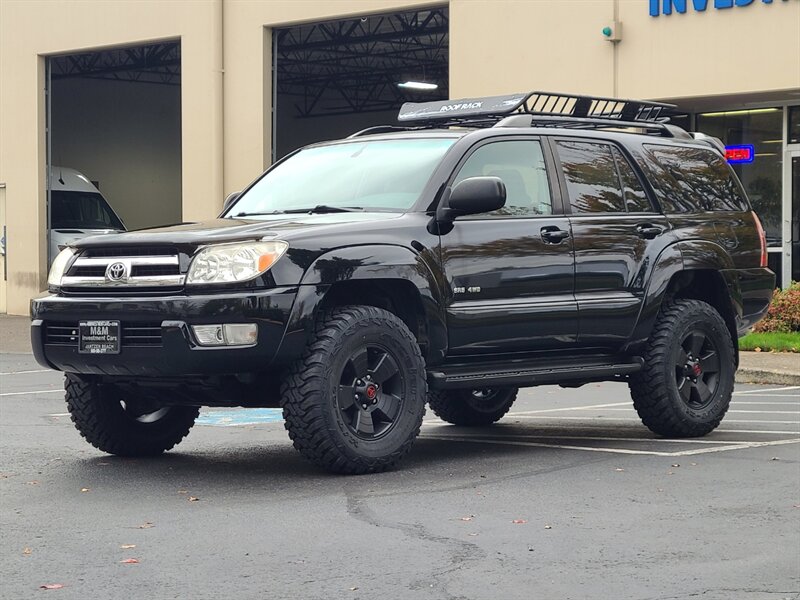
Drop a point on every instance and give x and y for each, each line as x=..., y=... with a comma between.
x=730, y=113
x=418, y=85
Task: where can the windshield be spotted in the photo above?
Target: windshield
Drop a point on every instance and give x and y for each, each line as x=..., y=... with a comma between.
x=378, y=174
x=81, y=210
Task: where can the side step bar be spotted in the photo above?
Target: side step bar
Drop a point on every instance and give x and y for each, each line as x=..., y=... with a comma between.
x=465, y=376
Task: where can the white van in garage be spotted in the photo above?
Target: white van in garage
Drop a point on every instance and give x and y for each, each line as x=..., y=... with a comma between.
x=77, y=210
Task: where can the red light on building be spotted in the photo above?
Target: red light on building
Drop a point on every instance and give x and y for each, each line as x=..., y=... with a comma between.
x=739, y=154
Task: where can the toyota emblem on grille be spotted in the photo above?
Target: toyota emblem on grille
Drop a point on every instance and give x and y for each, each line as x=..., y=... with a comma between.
x=117, y=272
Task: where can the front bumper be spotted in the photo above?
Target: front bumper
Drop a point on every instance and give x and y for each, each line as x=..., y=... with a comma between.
x=170, y=348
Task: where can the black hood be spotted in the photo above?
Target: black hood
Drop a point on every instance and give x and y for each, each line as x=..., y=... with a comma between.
x=232, y=230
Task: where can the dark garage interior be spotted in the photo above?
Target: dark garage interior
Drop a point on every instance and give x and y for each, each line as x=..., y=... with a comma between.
x=335, y=77
x=116, y=117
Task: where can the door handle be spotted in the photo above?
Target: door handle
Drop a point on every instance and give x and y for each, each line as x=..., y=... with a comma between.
x=553, y=235
x=648, y=231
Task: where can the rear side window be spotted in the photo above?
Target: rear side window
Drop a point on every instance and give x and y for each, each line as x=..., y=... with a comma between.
x=591, y=177
x=635, y=197
x=693, y=180
x=600, y=179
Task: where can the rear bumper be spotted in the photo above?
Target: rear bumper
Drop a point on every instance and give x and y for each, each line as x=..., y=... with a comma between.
x=756, y=287
x=173, y=353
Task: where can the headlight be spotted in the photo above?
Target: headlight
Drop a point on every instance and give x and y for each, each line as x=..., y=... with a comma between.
x=59, y=266
x=231, y=263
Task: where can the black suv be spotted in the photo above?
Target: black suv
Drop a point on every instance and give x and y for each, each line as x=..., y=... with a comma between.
x=488, y=245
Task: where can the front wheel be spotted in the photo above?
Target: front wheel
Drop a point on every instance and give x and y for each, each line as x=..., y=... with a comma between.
x=117, y=423
x=354, y=402
x=685, y=387
x=472, y=407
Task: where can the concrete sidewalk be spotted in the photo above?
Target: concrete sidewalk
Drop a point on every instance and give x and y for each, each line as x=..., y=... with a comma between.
x=781, y=368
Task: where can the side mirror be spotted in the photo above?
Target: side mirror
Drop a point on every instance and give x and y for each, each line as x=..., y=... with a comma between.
x=230, y=200
x=477, y=195
x=471, y=196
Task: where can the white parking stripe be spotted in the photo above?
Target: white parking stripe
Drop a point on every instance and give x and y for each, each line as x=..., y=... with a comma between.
x=609, y=418
x=784, y=432
x=756, y=392
x=25, y=372
x=610, y=450
x=758, y=412
x=590, y=406
x=768, y=403
x=30, y=393
x=503, y=436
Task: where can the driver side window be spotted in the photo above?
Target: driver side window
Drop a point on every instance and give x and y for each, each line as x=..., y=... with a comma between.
x=520, y=165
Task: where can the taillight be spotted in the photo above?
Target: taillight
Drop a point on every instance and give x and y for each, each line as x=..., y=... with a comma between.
x=763, y=237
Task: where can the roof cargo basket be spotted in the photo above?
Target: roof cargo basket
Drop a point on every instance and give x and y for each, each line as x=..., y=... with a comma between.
x=540, y=109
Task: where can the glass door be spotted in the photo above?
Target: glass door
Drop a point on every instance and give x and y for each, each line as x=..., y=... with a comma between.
x=791, y=217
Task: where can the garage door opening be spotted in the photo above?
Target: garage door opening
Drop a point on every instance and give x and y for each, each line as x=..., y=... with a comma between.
x=114, y=140
x=336, y=77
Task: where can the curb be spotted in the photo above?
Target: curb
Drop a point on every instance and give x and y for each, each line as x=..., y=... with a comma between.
x=747, y=375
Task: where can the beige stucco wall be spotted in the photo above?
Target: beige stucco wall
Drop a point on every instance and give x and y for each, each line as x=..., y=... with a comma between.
x=31, y=29
x=496, y=46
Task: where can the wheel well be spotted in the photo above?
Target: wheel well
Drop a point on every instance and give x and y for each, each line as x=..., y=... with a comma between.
x=398, y=296
x=709, y=286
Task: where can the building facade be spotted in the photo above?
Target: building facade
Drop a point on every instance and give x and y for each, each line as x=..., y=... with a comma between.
x=731, y=66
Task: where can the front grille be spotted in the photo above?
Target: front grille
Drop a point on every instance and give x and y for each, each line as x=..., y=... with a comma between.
x=154, y=270
x=129, y=251
x=63, y=333
x=88, y=271
x=134, y=267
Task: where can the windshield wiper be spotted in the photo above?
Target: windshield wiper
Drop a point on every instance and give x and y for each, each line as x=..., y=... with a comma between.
x=319, y=209
x=255, y=214
x=324, y=208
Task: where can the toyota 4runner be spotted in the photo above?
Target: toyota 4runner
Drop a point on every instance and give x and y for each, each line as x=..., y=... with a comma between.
x=482, y=246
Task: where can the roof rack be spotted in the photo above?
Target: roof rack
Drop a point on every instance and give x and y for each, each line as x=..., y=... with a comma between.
x=554, y=109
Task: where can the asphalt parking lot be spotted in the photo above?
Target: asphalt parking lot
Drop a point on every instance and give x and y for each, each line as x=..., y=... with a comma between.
x=568, y=497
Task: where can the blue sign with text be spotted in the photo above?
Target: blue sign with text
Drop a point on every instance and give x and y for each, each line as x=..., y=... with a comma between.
x=658, y=7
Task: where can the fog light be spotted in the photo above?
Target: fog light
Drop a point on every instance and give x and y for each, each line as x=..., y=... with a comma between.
x=209, y=335
x=240, y=334
x=232, y=334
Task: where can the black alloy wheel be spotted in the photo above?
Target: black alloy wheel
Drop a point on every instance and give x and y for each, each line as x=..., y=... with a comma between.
x=697, y=369
x=685, y=386
x=371, y=392
x=354, y=402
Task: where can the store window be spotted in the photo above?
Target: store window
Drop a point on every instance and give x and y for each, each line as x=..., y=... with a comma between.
x=762, y=179
x=794, y=125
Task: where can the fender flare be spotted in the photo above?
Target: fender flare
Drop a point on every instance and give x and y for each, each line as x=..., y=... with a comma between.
x=674, y=259
x=368, y=263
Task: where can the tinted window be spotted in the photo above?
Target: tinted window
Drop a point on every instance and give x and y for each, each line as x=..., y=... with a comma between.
x=592, y=181
x=695, y=179
x=81, y=210
x=635, y=196
x=520, y=164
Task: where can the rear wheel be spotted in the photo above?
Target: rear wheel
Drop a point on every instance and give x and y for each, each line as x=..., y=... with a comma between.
x=686, y=385
x=477, y=407
x=354, y=402
x=123, y=425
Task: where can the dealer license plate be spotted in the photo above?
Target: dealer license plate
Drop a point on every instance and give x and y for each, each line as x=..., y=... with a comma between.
x=98, y=337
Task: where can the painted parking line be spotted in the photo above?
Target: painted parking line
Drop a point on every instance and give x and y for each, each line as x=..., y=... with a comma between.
x=61, y=391
x=758, y=412
x=614, y=419
x=26, y=372
x=756, y=392
x=477, y=440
